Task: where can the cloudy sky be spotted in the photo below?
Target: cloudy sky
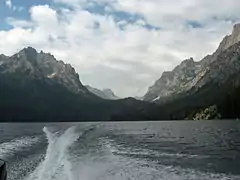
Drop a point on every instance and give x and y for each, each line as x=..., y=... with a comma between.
x=124, y=45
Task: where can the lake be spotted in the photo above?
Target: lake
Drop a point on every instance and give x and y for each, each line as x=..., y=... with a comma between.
x=183, y=150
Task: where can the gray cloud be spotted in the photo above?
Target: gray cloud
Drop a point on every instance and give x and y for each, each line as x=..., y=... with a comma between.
x=126, y=60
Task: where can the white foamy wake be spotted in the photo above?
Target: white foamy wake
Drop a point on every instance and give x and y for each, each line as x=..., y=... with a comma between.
x=11, y=147
x=143, y=169
x=112, y=165
x=123, y=150
x=56, y=164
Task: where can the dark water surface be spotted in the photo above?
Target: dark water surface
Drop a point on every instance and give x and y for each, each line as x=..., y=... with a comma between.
x=181, y=150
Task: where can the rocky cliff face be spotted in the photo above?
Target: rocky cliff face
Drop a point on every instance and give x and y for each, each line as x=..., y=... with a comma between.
x=42, y=66
x=190, y=74
x=182, y=78
x=225, y=68
x=104, y=94
x=229, y=40
x=219, y=87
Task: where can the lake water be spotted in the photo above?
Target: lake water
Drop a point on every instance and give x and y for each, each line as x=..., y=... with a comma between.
x=183, y=150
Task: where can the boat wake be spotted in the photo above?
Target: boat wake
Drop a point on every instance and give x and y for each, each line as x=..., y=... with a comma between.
x=10, y=148
x=56, y=164
x=107, y=162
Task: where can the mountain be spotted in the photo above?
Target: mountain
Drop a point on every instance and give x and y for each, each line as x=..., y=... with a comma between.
x=104, y=94
x=231, y=39
x=43, y=66
x=190, y=74
x=138, y=98
x=181, y=79
x=213, y=92
x=219, y=87
x=35, y=87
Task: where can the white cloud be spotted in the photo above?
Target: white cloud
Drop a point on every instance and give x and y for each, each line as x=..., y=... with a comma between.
x=18, y=23
x=130, y=60
x=169, y=13
x=9, y=4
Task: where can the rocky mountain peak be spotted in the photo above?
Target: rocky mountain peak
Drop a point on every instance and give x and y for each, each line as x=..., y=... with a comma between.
x=185, y=64
x=29, y=50
x=104, y=94
x=108, y=91
x=231, y=39
x=3, y=56
x=236, y=30
x=190, y=74
x=28, y=54
x=45, y=66
x=174, y=81
x=189, y=61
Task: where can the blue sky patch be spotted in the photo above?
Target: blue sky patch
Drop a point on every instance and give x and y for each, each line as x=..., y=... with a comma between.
x=194, y=24
x=20, y=10
x=103, y=9
x=106, y=9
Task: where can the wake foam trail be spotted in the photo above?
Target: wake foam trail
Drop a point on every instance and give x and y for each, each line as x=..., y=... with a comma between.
x=59, y=163
x=145, y=169
x=56, y=160
x=123, y=150
x=10, y=148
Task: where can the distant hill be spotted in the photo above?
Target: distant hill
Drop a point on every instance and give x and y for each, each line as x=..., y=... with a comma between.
x=105, y=93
